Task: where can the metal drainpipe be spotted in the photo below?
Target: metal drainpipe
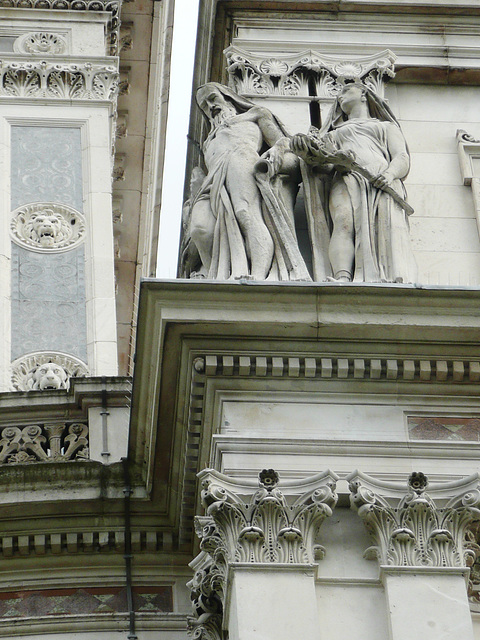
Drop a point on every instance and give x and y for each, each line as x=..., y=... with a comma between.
x=128, y=551
x=104, y=413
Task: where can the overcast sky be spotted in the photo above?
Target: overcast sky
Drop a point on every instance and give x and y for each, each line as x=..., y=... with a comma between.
x=183, y=51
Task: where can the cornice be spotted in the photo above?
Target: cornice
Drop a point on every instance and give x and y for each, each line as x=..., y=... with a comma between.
x=245, y=337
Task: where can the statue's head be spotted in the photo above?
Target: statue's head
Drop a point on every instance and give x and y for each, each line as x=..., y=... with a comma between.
x=351, y=95
x=214, y=103
x=218, y=102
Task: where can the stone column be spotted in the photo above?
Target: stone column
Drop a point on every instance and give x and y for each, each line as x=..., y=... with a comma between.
x=257, y=565
x=420, y=542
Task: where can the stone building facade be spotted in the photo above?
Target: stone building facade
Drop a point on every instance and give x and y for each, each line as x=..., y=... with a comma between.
x=299, y=453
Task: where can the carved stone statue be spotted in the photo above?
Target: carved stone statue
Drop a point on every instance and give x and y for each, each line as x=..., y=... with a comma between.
x=231, y=232
x=359, y=160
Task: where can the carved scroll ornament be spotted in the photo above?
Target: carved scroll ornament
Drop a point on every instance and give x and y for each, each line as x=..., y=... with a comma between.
x=44, y=443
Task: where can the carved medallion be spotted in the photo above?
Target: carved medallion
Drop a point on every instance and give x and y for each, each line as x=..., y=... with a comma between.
x=41, y=42
x=47, y=227
x=46, y=371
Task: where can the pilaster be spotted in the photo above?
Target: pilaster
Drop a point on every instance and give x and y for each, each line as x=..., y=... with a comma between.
x=248, y=533
x=420, y=540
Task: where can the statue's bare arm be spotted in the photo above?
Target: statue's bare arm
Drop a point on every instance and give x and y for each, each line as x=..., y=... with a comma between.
x=400, y=160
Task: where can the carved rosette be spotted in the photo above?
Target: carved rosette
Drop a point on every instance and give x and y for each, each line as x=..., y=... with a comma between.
x=41, y=42
x=245, y=524
x=47, y=227
x=417, y=529
x=46, y=371
x=291, y=75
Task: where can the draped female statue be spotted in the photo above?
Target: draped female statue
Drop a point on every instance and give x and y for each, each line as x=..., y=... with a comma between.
x=361, y=159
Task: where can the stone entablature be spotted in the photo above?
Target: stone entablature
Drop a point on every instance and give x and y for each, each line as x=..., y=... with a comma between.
x=111, y=7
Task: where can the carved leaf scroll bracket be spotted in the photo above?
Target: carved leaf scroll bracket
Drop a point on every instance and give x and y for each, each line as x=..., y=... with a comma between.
x=412, y=528
x=253, y=524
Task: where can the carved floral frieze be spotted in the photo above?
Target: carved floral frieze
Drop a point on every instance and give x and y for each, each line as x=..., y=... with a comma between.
x=419, y=529
x=253, y=525
x=60, y=80
x=41, y=42
x=44, y=443
x=46, y=371
x=293, y=75
x=47, y=227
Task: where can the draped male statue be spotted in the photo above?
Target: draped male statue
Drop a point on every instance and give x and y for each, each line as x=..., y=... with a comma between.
x=238, y=222
x=354, y=187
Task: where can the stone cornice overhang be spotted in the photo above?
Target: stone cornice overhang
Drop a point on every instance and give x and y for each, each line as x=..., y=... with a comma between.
x=198, y=337
x=470, y=7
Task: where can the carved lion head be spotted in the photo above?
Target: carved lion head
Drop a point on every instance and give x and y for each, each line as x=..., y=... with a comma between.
x=46, y=227
x=48, y=376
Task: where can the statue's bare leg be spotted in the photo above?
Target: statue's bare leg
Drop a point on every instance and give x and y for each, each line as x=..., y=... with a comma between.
x=342, y=246
x=202, y=228
x=247, y=205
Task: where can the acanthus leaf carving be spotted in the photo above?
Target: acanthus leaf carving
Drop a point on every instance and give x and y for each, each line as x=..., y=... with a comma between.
x=60, y=80
x=418, y=529
x=289, y=74
x=245, y=524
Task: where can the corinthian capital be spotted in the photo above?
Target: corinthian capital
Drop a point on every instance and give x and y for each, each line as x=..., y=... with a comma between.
x=412, y=528
x=264, y=523
x=256, y=524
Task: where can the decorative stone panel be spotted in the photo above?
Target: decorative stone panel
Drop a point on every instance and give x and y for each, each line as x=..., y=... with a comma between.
x=48, y=291
x=46, y=371
x=87, y=600
x=455, y=428
x=46, y=166
x=111, y=7
x=47, y=227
